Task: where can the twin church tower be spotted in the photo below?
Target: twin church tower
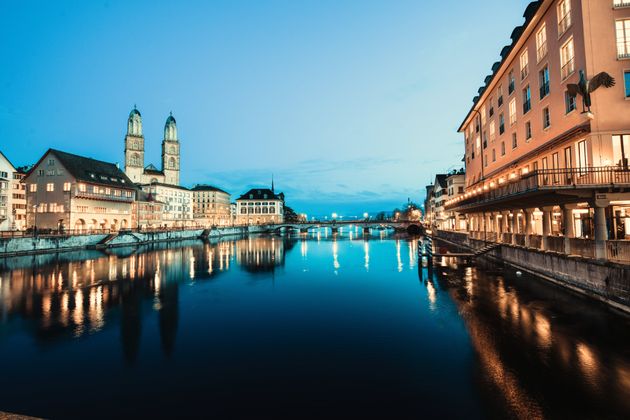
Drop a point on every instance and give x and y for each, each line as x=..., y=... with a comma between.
x=134, y=153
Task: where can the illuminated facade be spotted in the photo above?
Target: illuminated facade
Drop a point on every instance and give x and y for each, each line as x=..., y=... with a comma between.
x=260, y=206
x=177, y=203
x=66, y=191
x=211, y=206
x=538, y=164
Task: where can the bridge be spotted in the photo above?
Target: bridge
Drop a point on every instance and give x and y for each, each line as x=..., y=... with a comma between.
x=411, y=227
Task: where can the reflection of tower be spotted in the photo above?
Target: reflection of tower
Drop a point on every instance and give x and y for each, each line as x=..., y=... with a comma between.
x=169, y=315
x=134, y=147
x=131, y=322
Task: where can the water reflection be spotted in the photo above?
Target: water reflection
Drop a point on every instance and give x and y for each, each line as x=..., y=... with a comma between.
x=546, y=353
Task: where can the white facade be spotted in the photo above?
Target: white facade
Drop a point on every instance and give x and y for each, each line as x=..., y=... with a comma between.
x=178, y=203
x=6, y=193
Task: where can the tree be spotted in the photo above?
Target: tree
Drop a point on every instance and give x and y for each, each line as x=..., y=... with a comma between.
x=290, y=216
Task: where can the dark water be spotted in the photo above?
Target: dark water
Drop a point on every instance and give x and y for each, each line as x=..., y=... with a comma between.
x=300, y=327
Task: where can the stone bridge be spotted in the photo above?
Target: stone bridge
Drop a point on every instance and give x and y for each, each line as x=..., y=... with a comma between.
x=411, y=227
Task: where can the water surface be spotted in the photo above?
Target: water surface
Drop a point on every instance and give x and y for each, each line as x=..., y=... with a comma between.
x=307, y=326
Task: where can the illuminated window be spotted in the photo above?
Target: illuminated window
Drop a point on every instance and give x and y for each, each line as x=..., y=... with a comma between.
x=564, y=16
x=567, y=59
x=66, y=186
x=33, y=187
x=541, y=42
x=524, y=64
x=50, y=187
x=513, y=111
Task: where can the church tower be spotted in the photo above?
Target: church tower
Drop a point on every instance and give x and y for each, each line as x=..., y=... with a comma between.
x=134, y=147
x=170, y=152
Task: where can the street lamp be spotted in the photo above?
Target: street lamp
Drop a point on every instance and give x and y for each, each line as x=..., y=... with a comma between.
x=365, y=216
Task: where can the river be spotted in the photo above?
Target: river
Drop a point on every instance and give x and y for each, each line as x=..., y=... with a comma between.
x=303, y=326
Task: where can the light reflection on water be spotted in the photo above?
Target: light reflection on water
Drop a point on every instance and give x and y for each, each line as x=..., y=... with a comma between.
x=360, y=314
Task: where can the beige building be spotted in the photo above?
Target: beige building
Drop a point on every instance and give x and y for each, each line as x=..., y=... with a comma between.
x=211, y=206
x=539, y=162
x=177, y=203
x=439, y=218
x=134, y=153
x=455, y=182
x=18, y=200
x=66, y=191
x=148, y=213
x=260, y=206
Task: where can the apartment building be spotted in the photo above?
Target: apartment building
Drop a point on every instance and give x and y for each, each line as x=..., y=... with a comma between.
x=211, y=206
x=260, y=206
x=539, y=161
x=6, y=192
x=177, y=203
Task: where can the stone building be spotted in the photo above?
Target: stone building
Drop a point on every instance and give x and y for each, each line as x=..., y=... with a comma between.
x=455, y=182
x=260, y=206
x=134, y=153
x=66, y=191
x=148, y=212
x=211, y=206
x=177, y=203
x=541, y=162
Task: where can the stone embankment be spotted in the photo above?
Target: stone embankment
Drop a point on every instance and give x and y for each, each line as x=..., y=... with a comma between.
x=603, y=280
x=57, y=243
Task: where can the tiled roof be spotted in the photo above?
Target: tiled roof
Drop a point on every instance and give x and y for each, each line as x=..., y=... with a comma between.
x=201, y=187
x=90, y=170
x=260, y=193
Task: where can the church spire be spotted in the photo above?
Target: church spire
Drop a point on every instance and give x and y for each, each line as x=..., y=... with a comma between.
x=272, y=189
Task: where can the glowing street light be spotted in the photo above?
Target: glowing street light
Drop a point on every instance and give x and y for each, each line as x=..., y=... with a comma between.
x=365, y=215
x=334, y=215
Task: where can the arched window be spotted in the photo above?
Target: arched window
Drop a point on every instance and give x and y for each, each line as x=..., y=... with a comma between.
x=134, y=160
x=171, y=163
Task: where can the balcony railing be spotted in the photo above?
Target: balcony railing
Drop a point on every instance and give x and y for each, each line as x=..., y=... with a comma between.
x=568, y=68
x=104, y=197
x=547, y=179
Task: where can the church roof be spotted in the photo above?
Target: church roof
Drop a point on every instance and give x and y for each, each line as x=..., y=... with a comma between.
x=89, y=170
x=150, y=169
x=261, y=194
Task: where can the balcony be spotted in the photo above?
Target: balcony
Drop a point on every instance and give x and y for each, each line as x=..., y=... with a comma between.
x=540, y=181
x=103, y=197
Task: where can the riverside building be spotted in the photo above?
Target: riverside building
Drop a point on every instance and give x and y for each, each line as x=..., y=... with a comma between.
x=538, y=163
x=66, y=191
x=177, y=203
x=260, y=206
x=211, y=206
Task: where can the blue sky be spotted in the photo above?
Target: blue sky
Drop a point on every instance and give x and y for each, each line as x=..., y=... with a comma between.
x=352, y=105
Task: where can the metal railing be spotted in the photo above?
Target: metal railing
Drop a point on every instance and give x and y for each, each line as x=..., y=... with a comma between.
x=592, y=177
x=618, y=251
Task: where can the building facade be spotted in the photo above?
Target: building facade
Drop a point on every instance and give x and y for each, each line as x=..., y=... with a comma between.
x=6, y=193
x=177, y=203
x=134, y=153
x=66, y=191
x=148, y=213
x=18, y=200
x=260, y=206
x=211, y=206
x=439, y=217
x=455, y=182
x=540, y=161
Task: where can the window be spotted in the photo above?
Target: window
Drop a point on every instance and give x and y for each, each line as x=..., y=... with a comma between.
x=543, y=77
x=485, y=160
x=582, y=158
x=623, y=38
x=51, y=162
x=564, y=16
x=569, y=101
x=33, y=188
x=502, y=148
x=621, y=150
x=541, y=43
x=568, y=163
x=66, y=186
x=626, y=80
x=492, y=130
x=501, y=124
x=483, y=117
x=50, y=187
x=528, y=131
x=621, y=3
x=545, y=168
x=513, y=111
x=567, y=59
x=514, y=141
x=494, y=155
x=94, y=189
x=500, y=95
x=546, y=118
x=511, y=82
x=527, y=100
x=555, y=165
x=82, y=187
x=524, y=64
x=41, y=172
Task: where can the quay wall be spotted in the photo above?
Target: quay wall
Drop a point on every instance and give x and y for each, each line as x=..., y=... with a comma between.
x=603, y=280
x=44, y=244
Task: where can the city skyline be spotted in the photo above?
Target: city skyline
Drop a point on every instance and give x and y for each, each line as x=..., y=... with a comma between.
x=316, y=94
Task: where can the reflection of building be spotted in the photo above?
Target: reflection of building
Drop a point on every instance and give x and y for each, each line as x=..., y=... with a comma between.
x=538, y=160
x=260, y=206
x=134, y=153
x=260, y=254
x=177, y=207
x=66, y=191
x=211, y=206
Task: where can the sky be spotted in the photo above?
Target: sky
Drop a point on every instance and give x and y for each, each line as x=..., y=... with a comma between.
x=353, y=106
